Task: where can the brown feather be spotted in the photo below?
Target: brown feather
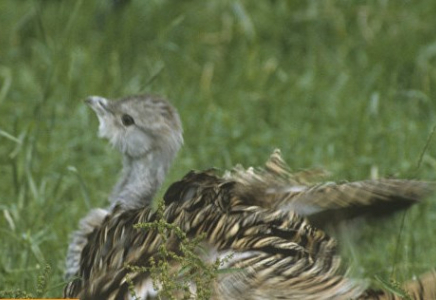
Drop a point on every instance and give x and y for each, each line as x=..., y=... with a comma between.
x=277, y=252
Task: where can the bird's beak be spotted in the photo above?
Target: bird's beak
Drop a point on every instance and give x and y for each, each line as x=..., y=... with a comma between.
x=98, y=104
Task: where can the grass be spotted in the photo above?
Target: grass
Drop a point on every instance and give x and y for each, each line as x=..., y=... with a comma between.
x=350, y=87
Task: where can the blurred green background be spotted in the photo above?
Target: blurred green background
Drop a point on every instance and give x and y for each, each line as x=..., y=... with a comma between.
x=349, y=86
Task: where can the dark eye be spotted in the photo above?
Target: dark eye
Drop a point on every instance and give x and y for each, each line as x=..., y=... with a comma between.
x=127, y=120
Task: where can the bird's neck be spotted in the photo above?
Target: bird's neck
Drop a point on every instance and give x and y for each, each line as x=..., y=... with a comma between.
x=140, y=180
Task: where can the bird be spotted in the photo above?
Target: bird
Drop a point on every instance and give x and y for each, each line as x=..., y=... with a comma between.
x=258, y=222
x=148, y=131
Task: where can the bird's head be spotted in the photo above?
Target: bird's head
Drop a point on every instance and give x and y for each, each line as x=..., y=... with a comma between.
x=138, y=125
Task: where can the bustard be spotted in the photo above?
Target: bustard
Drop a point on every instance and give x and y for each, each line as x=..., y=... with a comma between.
x=258, y=215
x=148, y=132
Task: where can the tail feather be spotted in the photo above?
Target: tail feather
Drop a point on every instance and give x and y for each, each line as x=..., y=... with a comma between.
x=277, y=187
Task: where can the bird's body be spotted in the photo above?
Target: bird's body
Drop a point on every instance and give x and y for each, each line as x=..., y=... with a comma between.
x=259, y=217
x=271, y=245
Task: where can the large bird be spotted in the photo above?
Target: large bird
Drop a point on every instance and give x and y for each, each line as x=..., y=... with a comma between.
x=258, y=222
x=148, y=131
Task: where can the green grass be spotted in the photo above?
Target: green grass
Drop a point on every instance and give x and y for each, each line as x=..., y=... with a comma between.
x=347, y=86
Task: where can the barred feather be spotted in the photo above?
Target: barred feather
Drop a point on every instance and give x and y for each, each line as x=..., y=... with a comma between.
x=326, y=202
x=262, y=217
x=277, y=253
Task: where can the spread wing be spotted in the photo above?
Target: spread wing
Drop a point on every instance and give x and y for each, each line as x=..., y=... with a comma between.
x=275, y=186
x=332, y=203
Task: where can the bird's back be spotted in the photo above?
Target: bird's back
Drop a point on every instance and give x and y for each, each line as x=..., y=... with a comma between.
x=274, y=252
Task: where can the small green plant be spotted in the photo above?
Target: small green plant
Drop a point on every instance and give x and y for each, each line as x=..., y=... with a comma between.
x=43, y=281
x=15, y=294
x=191, y=269
x=41, y=287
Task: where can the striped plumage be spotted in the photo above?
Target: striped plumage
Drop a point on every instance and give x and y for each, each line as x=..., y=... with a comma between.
x=257, y=215
x=213, y=206
x=282, y=255
x=327, y=202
